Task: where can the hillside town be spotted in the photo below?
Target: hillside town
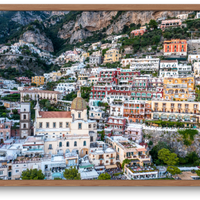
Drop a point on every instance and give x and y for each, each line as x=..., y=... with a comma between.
x=109, y=111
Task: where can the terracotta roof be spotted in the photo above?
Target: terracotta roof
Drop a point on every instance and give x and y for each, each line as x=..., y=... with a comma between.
x=40, y=91
x=141, y=149
x=55, y=114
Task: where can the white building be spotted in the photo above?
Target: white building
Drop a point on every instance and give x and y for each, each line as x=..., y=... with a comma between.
x=182, y=16
x=196, y=66
x=193, y=58
x=65, y=88
x=86, y=170
x=171, y=68
x=197, y=15
x=144, y=64
x=102, y=156
x=96, y=70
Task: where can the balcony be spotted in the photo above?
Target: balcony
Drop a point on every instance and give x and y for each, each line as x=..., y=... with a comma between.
x=112, y=158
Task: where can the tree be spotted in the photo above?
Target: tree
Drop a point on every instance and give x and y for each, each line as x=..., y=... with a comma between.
x=105, y=176
x=150, y=143
x=153, y=24
x=72, y=174
x=32, y=174
x=156, y=149
x=198, y=172
x=167, y=35
x=173, y=170
x=15, y=111
x=33, y=84
x=14, y=88
x=167, y=157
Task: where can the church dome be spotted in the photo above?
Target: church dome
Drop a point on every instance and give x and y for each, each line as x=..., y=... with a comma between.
x=78, y=103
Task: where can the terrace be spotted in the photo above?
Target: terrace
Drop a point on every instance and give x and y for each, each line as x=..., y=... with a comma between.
x=133, y=171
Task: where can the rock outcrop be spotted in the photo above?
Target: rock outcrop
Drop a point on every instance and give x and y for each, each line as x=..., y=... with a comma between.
x=174, y=140
x=39, y=39
x=114, y=22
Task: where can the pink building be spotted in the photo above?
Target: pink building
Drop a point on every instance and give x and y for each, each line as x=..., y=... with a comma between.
x=5, y=131
x=138, y=31
x=115, y=126
x=134, y=132
x=170, y=23
x=24, y=80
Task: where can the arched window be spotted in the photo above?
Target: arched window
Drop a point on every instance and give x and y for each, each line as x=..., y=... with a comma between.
x=60, y=144
x=24, y=125
x=24, y=116
x=67, y=144
x=75, y=143
x=84, y=143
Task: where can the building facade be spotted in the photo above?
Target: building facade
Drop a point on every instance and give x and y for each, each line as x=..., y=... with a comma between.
x=175, y=47
x=179, y=88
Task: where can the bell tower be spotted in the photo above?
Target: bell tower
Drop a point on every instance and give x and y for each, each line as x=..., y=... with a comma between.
x=25, y=120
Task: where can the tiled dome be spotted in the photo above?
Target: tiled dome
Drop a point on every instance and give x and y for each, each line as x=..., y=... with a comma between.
x=78, y=103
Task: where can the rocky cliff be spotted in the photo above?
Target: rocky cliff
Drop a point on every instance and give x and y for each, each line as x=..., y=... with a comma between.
x=39, y=39
x=114, y=21
x=25, y=17
x=174, y=140
x=20, y=63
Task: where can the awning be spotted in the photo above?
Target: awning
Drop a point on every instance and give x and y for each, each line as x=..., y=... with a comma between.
x=110, y=166
x=99, y=167
x=86, y=166
x=147, y=161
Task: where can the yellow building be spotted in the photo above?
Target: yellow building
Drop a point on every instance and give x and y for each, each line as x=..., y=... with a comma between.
x=55, y=75
x=85, y=55
x=127, y=149
x=83, y=78
x=38, y=80
x=183, y=111
x=179, y=88
x=112, y=55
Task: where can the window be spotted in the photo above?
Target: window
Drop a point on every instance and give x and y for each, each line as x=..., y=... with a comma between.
x=40, y=125
x=54, y=124
x=17, y=171
x=79, y=125
x=60, y=144
x=67, y=124
x=84, y=143
x=60, y=124
x=24, y=116
x=67, y=144
x=79, y=115
x=89, y=125
x=1, y=172
x=94, y=126
x=50, y=146
x=75, y=143
x=47, y=125
x=24, y=125
x=91, y=138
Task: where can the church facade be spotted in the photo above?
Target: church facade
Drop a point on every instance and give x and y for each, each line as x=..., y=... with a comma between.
x=66, y=131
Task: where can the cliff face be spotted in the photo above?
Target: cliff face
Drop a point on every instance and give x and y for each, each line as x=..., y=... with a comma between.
x=25, y=17
x=40, y=39
x=85, y=24
x=114, y=22
x=21, y=65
